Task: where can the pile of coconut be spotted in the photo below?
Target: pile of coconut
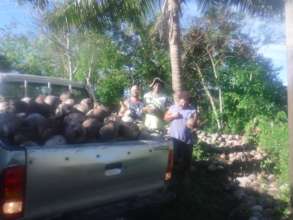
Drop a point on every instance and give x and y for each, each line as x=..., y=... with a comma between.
x=51, y=120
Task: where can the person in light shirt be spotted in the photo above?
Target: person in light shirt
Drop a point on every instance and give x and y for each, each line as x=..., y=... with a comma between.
x=131, y=108
x=155, y=103
x=182, y=117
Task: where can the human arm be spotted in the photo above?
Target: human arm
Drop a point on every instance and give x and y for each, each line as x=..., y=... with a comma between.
x=123, y=108
x=170, y=116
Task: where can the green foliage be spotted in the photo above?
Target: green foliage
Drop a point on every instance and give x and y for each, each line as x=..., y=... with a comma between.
x=246, y=82
x=202, y=152
x=26, y=55
x=110, y=89
x=251, y=89
x=272, y=136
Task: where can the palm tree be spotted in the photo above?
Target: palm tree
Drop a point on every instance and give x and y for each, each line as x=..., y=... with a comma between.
x=98, y=14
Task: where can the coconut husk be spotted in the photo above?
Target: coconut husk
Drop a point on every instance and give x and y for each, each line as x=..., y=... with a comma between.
x=128, y=130
x=9, y=123
x=92, y=127
x=100, y=112
x=74, y=118
x=88, y=102
x=64, y=96
x=109, y=131
x=49, y=120
x=75, y=133
x=82, y=108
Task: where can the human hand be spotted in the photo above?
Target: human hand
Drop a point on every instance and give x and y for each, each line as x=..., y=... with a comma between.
x=148, y=109
x=176, y=115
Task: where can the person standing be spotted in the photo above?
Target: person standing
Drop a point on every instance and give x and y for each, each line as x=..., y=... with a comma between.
x=183, y=119
x=131, y=108
x=155, y=105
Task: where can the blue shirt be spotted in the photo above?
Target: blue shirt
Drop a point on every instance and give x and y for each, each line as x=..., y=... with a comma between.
x=178, y=129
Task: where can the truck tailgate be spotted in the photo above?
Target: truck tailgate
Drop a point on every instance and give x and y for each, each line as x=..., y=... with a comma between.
x=60, y=178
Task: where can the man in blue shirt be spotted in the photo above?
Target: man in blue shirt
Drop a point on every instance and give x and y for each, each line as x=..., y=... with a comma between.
x=183, y=119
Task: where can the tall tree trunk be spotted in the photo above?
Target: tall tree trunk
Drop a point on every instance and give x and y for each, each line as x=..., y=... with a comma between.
x=289, y=33
x=175, y=44
x=210, y=97
x=68, y=57
x=216, y=75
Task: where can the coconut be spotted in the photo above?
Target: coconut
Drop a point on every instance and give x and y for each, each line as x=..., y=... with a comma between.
x=9, y=123
x=52, y=101
x=75, y=133
x=128, y=130
x=100, y=112
x=88, y=102
x=38, y=106
x=74, y=118
x=82, y=108
x=40, y=99
x=69, y=102
x=92, y=127
x=37, y=125
x=109, y=130
x=7, y=106
x=64, y=96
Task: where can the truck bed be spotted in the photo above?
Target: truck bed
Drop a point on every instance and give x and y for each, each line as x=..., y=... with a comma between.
x=69, y=177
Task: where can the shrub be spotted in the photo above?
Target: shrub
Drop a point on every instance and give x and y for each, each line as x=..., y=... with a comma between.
x=271, y=135
x=110, y=89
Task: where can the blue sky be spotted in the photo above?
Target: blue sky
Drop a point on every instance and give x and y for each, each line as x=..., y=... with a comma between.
x=21, y=20
x=14, y=16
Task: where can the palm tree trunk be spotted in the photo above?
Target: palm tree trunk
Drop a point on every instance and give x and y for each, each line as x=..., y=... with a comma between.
x=175, y=44
x=289, y=33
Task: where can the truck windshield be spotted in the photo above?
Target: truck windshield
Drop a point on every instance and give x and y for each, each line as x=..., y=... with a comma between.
x=12, y=90
x=77, y=93
x=16, y=90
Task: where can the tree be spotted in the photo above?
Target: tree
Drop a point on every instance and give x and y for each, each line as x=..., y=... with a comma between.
x=222, y=66
x=99, y=14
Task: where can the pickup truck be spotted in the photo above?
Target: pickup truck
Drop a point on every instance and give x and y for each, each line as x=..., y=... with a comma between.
x=42, y=181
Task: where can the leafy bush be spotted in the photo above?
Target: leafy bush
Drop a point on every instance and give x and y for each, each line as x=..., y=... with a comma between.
x=271, y=135
x=110, y=89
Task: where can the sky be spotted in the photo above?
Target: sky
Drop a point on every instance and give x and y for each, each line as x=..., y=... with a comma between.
x=15, y=16
x=21, y=20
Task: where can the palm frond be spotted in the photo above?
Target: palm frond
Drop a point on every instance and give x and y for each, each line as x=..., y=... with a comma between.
x=99, y=13
x=41, y=4
x=259, y=7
